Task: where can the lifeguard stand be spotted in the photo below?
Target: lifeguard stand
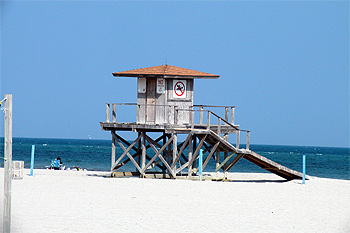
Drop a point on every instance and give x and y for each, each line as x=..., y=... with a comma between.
x=165, y=105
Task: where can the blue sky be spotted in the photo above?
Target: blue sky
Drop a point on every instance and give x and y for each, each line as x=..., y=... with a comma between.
x=284, y=65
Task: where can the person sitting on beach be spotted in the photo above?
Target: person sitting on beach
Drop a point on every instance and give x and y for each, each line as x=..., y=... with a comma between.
x=56, y=164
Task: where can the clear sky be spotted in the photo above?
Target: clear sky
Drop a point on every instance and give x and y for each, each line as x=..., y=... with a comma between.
x=283, y=64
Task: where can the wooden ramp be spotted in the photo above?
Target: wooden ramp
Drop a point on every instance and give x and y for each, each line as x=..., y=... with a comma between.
x=212, y=138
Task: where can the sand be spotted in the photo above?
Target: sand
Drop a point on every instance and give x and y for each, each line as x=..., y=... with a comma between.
x=72, y=201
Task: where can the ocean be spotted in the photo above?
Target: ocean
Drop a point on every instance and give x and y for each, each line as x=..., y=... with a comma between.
x=327, y=162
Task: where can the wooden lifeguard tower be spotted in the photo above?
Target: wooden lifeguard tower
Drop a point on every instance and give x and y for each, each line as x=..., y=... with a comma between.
x=165, y=105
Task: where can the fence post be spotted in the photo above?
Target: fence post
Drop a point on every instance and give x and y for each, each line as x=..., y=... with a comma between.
x=304, y=168
x=200, y=163
x=32, y=161
x=7, y=164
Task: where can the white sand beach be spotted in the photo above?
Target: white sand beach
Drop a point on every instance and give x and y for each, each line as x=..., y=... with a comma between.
x=72, y=201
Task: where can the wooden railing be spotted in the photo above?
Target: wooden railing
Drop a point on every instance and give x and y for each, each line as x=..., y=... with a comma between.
x=228, y=120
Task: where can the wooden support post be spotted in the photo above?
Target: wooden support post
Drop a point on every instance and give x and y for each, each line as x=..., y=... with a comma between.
x=7, y=164
x=237, y=144
x=113, y=150
x=107, y=113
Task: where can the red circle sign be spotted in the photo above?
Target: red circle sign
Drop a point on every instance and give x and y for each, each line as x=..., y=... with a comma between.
x=179, y=88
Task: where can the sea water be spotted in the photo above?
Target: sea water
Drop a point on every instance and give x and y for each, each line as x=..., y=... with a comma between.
x=328, y=162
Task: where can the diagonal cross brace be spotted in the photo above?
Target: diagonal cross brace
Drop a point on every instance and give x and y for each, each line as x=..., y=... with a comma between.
x=158, y=155
x=233, y=162
x=126, y=152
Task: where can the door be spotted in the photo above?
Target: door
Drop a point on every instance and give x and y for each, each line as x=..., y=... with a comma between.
x=150, y=101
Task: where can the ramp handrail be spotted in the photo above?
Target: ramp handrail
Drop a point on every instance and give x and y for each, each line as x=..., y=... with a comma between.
x=220, y=120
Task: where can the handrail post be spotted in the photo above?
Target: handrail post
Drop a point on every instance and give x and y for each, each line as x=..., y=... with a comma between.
x=114, y=113
x=232, y=115
x=192, y=119
x=237, y=144
x=107, y=113
x=219, y=126
x=208, y=121
x=226, y=114
x=201, y=115
x=248, y=139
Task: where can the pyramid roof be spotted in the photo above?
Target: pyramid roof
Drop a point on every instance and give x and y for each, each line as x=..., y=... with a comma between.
x=165, y=71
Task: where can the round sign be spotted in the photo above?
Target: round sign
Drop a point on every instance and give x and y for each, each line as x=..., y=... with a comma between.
x=179, y=88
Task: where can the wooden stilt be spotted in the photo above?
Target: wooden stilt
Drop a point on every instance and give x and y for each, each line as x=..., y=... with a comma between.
x=113, y=150
x=190, y=156
x=143, y=157
x=174, y=152
x=139, y=149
